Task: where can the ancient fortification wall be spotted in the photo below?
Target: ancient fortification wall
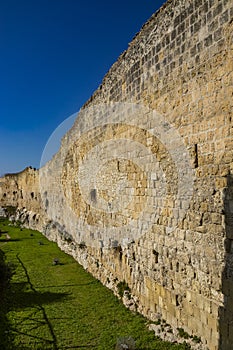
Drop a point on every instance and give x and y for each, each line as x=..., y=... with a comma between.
x=142, y=187
x=21, y=190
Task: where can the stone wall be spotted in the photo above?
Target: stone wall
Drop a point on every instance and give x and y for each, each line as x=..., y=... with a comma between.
x=141, y=189
x=20, y=194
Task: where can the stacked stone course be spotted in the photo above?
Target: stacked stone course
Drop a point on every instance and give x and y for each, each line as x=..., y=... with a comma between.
x=21, y=190
x=179, y=64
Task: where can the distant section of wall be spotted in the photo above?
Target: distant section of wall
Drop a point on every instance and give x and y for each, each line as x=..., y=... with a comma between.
x=177, y=174
x=20, y=194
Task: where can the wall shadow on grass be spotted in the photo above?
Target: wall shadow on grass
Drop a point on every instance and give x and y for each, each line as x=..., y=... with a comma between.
x=5, y=275
x=6, y=337
x=8, y=240
x=23, y=298
x=30, y=319
x=28, y=325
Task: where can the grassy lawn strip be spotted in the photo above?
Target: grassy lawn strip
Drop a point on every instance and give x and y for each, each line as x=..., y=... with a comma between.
x=61, y=306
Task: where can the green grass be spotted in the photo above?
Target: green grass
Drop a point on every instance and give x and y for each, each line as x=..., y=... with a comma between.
x=61, y=306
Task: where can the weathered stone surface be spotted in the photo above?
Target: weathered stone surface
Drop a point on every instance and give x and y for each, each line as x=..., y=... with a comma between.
x=142, y=187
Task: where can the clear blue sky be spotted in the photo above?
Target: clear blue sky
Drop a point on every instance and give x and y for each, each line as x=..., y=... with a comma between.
x=54, y=54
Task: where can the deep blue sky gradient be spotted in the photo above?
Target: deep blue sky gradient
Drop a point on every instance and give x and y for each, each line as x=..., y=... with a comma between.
x=54, y=54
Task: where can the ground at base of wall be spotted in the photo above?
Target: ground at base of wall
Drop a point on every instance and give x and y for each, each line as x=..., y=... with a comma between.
x=165, y=332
